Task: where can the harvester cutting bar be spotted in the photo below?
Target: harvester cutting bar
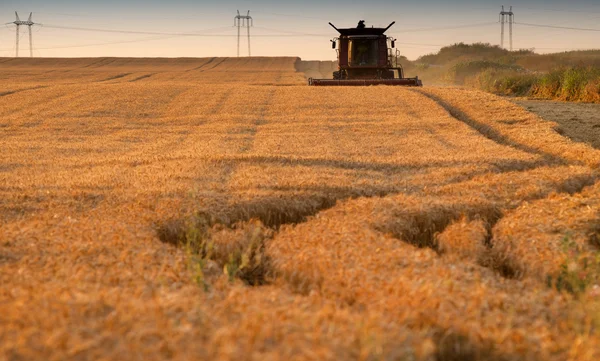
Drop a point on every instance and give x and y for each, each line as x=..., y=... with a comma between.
x=363, y=82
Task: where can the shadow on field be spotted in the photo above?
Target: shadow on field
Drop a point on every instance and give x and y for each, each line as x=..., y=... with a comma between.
x=456, y=346
x=420, y=226
x=500, y=165
x=235, y=237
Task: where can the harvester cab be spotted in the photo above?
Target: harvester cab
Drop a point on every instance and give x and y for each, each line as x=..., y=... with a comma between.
x=366, y=56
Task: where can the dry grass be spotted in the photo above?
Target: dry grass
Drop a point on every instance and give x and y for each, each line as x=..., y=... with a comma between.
x=221, y=209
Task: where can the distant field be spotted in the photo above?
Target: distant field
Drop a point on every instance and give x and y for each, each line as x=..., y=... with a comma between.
x=220, y=208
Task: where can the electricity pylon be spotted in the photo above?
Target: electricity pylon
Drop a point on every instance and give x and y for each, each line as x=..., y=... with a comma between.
x=29, y=24
x=239, y=21
x=507, y=16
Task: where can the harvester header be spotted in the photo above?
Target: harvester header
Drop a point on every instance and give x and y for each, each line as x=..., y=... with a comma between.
x=366, y=56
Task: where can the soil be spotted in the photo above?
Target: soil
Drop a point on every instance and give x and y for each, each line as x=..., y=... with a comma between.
x=578, y=121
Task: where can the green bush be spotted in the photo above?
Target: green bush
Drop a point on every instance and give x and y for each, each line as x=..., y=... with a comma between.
x=548, y=85
x=461, y=71
x=548, y=62
x=238, y=249
x=503, y=81
x=477, y=51
x=579, y=271
x=571, y=84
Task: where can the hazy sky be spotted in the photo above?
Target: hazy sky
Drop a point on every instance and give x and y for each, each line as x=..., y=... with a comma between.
x=211, y=24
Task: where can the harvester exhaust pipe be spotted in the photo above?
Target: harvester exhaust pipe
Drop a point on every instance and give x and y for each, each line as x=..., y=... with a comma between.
x=333, y=26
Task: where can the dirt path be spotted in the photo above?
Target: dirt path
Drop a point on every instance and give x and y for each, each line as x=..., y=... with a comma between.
x=580, y=122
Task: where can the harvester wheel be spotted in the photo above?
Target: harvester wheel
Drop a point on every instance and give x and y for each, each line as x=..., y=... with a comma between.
x=336, y=75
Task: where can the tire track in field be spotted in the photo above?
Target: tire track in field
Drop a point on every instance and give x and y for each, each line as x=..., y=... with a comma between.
x=228, y=165
x=214, y=66
x=145, y=76
x=89, y=65
x=100, y=63
x=39, y=104
x=10, y=92
x=416, y=225
x=490, y=133
x=290, y=208
x=203, y=65
x=221, y=169
x=247, y=144
x=97, y=63
x=114, y=77
x=337, y=266
x=220, y=103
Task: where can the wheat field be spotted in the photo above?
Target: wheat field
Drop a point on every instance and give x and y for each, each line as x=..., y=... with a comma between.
x=220, y=209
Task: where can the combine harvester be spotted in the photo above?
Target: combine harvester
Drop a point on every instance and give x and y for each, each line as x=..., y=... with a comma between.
x=364, y=58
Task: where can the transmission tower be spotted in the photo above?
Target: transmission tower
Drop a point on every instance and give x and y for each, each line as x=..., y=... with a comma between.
x=18, y=22
x=506, y=17
x=240, y=21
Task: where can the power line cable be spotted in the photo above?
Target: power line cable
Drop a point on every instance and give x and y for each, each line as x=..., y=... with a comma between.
x=283, y=33
x=120, y=31
x=286, y=32
x=562, y=31
x=451, y=27
x=168, y=37
x=100, y=44
x=290, y=32
x=537, y=9
x=189, y=34
x=423, y=45
x=290, y=15
x=164, y=36
x=129, y=17
x=566, y=49
x=558, y=10
x=557, y=27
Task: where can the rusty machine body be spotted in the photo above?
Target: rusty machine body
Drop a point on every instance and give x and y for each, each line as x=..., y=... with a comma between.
x=366, y=56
